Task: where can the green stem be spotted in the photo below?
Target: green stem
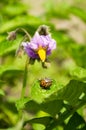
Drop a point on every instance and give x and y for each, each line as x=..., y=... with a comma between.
x=25, y=79
x=22, y=29
x=23, y=87
x=27, y=35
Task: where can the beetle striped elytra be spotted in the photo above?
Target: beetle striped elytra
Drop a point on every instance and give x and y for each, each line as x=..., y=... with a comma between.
x=45, y=83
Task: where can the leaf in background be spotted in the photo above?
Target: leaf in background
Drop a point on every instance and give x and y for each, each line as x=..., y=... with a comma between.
x=10, y=69
x=63, y=39
x=9, y=46
x=78, y=12
x=78, y=53
x=62, y=9
x=18, y=126
x=57, y=8
x=1, y=82
x=20, y=21
x=8, y=114
x=78, y=73
x=2, y=92
x=73, y=50
x=14, y=9
x=75, y=71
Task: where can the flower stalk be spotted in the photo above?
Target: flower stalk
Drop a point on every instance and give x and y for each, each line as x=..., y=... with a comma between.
x=24, y=79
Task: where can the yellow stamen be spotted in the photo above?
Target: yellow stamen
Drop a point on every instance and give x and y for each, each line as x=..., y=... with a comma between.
x=42, y=54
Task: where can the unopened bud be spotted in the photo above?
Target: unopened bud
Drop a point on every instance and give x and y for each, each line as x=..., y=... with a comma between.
x=43, y=30
x=46, y=64
x=20, y=51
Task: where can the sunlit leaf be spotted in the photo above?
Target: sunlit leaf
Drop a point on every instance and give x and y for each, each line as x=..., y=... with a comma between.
x=78, y=73
x=40, y=94
x=20, y=104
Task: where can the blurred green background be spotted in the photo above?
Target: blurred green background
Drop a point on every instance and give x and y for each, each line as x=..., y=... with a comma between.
x=67, y=22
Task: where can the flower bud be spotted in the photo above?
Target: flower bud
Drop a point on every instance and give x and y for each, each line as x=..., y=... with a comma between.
x=43, y=30
x=11, y=35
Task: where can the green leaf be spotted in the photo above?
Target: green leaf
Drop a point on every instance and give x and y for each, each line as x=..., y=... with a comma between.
x=73, y=50
x=39, y=94
x=48, y=107
x=41, y=99
x=78, y=53
x=20, y=21
x=20, y=104
x=76, y=122
x=78, y=12
x=41, y=120
x=18, y=126
x=9, y=70
x=72, y=92
x=14, y=9
x=1, y=82
x=57, y=9
x=84, y=128
x=78, y=73
x=2, y=92
x=36, y=126
x=34, y=107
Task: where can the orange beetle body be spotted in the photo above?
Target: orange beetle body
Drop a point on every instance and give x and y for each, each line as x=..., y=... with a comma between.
x=45, y=83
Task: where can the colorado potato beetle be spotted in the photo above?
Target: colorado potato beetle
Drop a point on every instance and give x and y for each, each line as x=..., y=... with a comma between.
x=45, y=83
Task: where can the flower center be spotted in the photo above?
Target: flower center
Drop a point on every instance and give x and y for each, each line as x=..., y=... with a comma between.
x=42, y=54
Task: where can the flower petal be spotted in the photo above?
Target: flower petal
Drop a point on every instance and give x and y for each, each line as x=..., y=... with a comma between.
x=28, y=50
x=44, y=40
x=25, y=44
x=33, y=46
x=37, y=39
x=52, y=45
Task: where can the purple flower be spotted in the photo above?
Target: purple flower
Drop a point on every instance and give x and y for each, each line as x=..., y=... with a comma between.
x=40, y=46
